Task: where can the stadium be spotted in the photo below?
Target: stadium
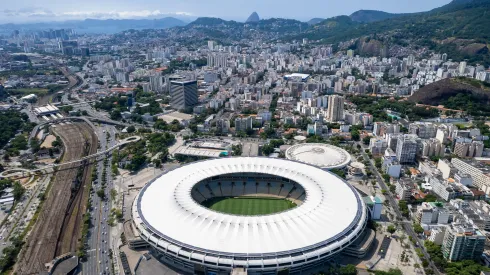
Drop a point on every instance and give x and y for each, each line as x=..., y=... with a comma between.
x=262, y=214
x=322, y=155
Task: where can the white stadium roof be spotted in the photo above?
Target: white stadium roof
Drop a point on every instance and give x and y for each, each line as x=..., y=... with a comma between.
x=319, y=154
x=331, y=216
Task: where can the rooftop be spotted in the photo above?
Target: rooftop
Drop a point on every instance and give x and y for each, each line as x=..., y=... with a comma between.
x=331, y=211
x=318, y=154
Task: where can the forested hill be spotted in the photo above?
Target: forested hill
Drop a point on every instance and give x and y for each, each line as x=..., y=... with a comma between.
x=461, y=29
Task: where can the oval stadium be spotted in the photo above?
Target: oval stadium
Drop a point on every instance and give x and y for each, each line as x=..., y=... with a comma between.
x=264, y=215
x=321, y=155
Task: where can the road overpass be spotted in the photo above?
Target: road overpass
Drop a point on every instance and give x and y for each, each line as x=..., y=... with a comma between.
x=26, y=172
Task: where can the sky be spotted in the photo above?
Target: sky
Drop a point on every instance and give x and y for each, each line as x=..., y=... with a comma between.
x=239, y=10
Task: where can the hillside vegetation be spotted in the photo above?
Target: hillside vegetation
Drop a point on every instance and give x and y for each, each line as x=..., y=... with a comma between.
x=469, y=95
x=461, y=29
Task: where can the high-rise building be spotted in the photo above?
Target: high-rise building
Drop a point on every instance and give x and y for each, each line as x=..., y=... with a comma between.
x=242, y=124
x=462, y=241
x=184, y=94
x=211, y=45
x=335, y=111
x=432, y=147
x=156, y=83
x=444, y=57
x=423, y=129
x=404, y=188
x=406, y=149
x=462, y=68
x=465, y=148
x=223, y=125
x=122, y=77
x=218, y=60
x=68, y=47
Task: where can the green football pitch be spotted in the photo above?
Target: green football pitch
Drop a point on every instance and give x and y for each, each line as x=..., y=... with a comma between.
x=249, y=206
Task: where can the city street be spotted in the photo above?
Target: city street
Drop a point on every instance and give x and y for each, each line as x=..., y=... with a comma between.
x=407, y=226
x=98, y=260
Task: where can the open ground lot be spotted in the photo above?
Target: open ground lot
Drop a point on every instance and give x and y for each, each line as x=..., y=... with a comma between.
x=249, y=206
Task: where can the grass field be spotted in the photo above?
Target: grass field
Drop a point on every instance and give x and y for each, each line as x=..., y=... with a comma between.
x=248, y=205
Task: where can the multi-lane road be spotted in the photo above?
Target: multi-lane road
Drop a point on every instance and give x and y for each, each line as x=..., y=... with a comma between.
x=98, y=260
x=405, y=224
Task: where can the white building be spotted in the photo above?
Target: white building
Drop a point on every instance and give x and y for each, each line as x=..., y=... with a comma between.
x=404, y=188
x=423, y=130
x=433, y=147
x=478, y=171
x=377, y=146
x=432, y=213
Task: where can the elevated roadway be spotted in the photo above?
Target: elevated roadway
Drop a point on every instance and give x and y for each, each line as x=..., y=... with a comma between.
x=26, y=172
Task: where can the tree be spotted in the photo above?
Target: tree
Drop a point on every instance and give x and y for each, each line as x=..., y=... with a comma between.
x=391, y=229
x=101, y=194
x=355, y=135
x=157, y=163
x=366, y=140
x=418, y=228
x=338, y=172
x=35, y=145
x=131, y=129
x=19, y=190
x=349, y=269
x=113, y=194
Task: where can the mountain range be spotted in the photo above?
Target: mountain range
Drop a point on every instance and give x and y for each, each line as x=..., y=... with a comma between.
x=100, y=25
x=460, y=28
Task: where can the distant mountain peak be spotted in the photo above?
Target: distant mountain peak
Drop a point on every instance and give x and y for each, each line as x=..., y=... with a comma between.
x=253, y=18
x=314, y=21
x=367, y=16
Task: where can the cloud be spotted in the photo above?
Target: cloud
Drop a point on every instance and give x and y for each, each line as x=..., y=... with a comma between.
x=41, y=14
x=27, y=12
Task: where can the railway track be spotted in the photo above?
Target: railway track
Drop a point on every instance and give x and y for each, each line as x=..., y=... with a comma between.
x=47, y=234
x=72, y=223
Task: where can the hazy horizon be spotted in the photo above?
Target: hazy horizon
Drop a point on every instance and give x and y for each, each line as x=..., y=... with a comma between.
x=27, y=11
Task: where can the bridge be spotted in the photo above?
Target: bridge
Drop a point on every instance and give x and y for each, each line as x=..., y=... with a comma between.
x=26, y=172
x=87, y=120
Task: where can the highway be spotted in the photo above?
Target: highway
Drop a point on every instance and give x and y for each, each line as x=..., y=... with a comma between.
x=98, y=261
x=407, y=226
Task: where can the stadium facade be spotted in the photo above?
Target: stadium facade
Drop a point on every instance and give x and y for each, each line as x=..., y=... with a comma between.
x=169, y=214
